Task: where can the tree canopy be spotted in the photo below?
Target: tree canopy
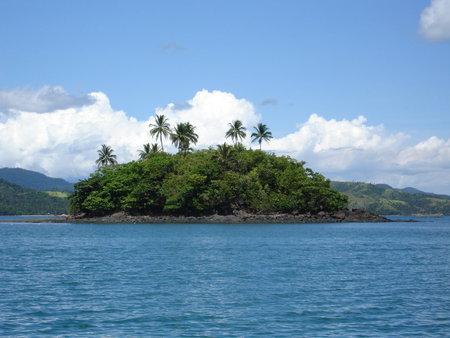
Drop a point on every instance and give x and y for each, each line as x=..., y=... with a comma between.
x=17, y=200
x=182, y=136
x=221, y=180
x=147, y=149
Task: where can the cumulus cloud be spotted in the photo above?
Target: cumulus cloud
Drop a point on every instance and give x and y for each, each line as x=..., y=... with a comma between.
x=45, y=99
x=435, y=20
x=64, y=142
x=211, y=112
x=426, y=165
x=433, y=153
x=339, y=145
x=352, y=150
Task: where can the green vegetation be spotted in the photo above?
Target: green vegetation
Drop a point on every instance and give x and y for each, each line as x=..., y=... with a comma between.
x=261, y=133
x=147, y=149
x=182, y=136
x=383, y=199
x=33, y=180
x=236, y=131
x=222, y=180
x=160, y=129
x=106, y=156
x=60, y=194
x=219, y=180
x=17, y=200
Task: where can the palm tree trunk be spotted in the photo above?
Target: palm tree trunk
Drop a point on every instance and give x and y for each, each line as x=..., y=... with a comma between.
x=162, y=147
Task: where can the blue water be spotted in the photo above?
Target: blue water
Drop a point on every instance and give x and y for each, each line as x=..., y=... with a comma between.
x=237, y=280
x=21, y=217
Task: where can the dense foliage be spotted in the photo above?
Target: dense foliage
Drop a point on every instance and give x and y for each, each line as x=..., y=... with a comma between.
x=34, y=180
x=206, y=181
x=17, y=200
x=383, y=199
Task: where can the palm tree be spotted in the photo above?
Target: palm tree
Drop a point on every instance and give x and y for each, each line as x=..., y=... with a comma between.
x=261, y=133
x=236, y=131
x=182, y=135
x=224, y=152
x=105, y=156
x=147, y=150
x=160, y=128
x=154, y=148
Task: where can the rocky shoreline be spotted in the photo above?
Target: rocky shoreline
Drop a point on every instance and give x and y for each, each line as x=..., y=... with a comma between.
x=342, y=216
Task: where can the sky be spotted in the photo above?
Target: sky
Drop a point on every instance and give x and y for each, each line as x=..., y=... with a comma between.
x=360, y=90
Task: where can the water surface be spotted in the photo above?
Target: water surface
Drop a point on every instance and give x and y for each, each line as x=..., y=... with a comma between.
x=239, y=280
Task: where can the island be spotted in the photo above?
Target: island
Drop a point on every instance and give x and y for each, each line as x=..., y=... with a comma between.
x=229, y=184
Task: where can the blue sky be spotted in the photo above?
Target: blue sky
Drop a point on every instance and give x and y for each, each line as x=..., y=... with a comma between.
x=290, y=59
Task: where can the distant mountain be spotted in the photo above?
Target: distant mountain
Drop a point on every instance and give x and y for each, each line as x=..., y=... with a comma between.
x=34, y=180
x=383, y=199
x=384, y=186
x=413, y=191
x=17, y=200
x=419, y=192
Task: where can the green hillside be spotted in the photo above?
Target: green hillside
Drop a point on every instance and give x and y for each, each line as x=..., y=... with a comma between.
x=34, y=180
x=17, y=200
x=385, y=200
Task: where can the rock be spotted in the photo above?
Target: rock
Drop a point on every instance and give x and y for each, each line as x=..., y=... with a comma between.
x=339, y=215
x=238, y=216
x=119, y=214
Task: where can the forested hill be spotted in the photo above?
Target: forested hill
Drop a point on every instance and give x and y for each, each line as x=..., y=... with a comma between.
x=226, y=180
x=34, y=180
x=385, y=200
x=17, y=200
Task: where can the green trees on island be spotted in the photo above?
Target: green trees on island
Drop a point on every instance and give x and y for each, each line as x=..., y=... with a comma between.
x=106, y=156
x=147, y=149
x=224, y=152
x=182, y=136
x=160, y=129
x=221, y=180
x=261, y=133
x=236, y=131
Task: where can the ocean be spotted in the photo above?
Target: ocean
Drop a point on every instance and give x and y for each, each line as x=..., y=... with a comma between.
x=283, y=280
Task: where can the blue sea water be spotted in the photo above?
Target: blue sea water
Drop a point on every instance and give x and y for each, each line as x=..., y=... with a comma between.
x=386, y=279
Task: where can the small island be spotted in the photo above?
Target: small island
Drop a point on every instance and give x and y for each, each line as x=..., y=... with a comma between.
x=229, y=184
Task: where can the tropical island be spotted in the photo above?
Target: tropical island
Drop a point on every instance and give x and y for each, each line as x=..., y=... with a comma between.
x=228, y=183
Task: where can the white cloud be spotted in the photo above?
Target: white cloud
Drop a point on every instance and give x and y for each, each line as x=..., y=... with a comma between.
x=339, y=145
x=45, y=99
x=211, y=112
x=435, y=20
x=433, y=153
x=64, y=142
x=426, y=165
x=354, y=151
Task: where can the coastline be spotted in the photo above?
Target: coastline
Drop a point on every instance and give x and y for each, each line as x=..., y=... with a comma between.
x=342, y=216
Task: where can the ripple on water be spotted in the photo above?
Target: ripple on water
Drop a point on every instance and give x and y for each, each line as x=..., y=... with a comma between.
x=210, y=280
